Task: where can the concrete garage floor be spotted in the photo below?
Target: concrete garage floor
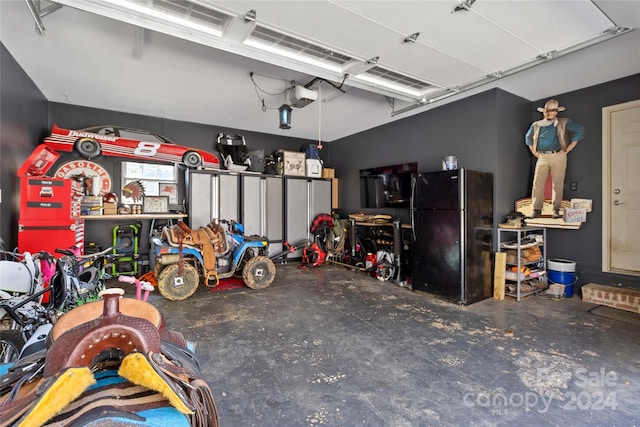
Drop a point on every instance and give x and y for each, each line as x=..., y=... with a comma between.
x=331, y=347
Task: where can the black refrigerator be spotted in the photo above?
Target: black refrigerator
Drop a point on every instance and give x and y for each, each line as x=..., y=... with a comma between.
x=452, y=234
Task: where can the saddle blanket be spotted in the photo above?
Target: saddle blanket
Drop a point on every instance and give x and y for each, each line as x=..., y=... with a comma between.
x=114, y=401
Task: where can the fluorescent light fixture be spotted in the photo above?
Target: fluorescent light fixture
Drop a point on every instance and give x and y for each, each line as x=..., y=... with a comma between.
x=396, y=88
x=163, y=16
x=292, y=55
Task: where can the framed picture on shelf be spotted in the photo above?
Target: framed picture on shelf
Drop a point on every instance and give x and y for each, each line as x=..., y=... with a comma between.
x=155, y=204
x=169, y=189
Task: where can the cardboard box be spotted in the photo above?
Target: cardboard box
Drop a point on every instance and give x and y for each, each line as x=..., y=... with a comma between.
x=582, y=204
x=292, y=163
x=574, y=215
x=328, y=173
x=313, y=168
x=110, y=208
x=334, y=193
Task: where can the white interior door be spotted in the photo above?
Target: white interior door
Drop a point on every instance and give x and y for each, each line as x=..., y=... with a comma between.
x=621, y=188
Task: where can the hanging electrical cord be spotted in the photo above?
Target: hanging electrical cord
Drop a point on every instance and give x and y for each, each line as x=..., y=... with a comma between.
x=259, y=90
x=320, y=116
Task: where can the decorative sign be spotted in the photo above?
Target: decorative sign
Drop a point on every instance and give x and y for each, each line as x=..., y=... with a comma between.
x=155, y=204
x=169, y=189
x=96, y=178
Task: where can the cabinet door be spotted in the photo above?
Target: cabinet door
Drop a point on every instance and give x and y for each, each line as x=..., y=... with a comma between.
x=274, y=214
x=203, y=198
x=305, y=198
x=252, y=205
x=262, y=209
x=297, y=212
x=320, y=198
x=229, y=191
x=212, y=195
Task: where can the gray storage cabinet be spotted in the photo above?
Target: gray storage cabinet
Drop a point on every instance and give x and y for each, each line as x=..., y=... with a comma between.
x=304, y=200
x=212, y=195
x=280, y=208
x=262, y=208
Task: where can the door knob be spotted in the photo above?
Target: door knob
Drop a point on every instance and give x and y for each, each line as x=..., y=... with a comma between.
x=617, y=202
x=616, y=191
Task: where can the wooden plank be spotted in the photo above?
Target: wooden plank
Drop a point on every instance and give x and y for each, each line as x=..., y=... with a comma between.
x=499, y=275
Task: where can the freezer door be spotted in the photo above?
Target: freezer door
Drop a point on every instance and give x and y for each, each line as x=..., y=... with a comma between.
x=436, y=253
x=437, y=190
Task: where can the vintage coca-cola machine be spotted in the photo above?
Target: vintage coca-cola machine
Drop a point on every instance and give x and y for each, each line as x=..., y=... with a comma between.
x=49, y=207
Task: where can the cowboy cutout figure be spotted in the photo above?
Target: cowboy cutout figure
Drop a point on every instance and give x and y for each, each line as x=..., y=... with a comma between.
x=550, y=140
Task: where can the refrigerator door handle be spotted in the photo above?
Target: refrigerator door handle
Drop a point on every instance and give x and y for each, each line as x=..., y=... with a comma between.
x=413, y=228
x=414, y=178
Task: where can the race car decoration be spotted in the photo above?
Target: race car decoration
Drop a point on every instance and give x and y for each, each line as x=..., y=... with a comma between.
x=104, y=140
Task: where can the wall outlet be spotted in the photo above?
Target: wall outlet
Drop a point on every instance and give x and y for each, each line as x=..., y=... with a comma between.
x=573, y=186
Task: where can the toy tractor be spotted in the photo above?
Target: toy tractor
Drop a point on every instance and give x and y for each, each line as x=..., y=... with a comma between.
x=185, y=257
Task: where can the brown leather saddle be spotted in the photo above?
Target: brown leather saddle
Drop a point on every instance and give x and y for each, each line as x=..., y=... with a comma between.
x=210, y=240
x=129, y=335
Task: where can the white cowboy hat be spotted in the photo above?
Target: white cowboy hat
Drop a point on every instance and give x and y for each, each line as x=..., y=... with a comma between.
x=551, y=104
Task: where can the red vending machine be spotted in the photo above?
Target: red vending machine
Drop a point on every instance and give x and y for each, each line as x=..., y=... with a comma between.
x=49, y=214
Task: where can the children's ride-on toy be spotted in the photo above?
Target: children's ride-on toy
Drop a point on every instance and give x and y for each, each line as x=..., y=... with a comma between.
x=184, y=257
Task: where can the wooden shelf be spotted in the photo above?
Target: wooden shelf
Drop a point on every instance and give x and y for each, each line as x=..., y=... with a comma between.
x=384, y=224
x=132, y=216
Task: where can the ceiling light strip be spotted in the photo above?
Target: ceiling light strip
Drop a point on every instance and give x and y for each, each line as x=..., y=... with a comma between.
x=291, y=55
x=163, y=16
x=389, y=85
x=146, y=17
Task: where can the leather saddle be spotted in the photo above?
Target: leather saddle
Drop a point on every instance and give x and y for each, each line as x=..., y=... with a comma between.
x=211, y=234
x=210, y=240
x=128, y=334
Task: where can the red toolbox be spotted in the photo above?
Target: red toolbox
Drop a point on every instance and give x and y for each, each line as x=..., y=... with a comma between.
x=49, y=198
x=50, y=234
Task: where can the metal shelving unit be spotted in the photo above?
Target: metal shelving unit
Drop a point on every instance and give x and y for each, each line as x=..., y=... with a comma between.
x=520, y=234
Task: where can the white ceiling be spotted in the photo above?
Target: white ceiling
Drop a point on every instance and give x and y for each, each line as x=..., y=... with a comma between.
x=89, y=60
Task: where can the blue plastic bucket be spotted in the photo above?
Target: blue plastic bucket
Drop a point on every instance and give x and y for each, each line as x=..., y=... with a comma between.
x=562, y=272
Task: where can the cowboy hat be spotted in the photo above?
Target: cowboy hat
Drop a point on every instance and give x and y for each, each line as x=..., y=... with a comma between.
x=551, y=104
